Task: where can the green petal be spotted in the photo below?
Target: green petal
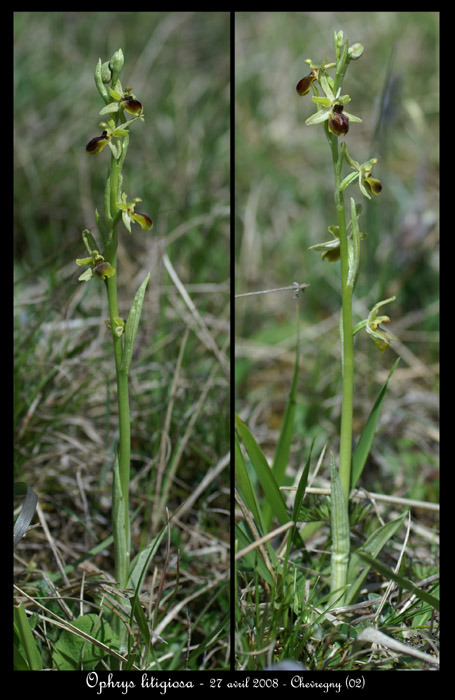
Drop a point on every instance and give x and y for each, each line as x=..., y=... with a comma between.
x=84, y=261
x=116, y=95
x=324, y=101
x=326, y=87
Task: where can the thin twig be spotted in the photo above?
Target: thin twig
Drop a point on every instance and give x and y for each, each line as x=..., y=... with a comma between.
x=362, y=493
x=295, y=286
x=265, y=538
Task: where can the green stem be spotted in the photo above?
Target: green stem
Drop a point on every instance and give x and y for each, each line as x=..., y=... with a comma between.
x=341, y=481
x=124, y=449
x=347, y=349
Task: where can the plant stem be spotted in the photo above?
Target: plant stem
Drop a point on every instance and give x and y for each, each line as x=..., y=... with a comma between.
x=124, y=433
x=347, y=343
x=341, y=481
x=122, y=553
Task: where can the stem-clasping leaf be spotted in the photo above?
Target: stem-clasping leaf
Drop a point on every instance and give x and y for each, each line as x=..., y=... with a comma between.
x=340, y=534
x=132, y=324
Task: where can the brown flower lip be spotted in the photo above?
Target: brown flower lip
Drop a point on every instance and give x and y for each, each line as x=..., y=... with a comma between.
x=131, y=105
x=102, y=269
x=94, y=146
x=338, y=122
x=303, y=86
x=147, y=220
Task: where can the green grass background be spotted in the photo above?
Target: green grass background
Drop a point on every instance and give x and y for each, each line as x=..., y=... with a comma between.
x=284, y=204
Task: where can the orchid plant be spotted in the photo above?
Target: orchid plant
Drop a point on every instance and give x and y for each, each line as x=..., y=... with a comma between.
x=102, y=266
x=344, y=246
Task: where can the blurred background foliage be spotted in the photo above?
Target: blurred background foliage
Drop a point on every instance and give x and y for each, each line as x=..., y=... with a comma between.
x=178, y=162
x=284, y=204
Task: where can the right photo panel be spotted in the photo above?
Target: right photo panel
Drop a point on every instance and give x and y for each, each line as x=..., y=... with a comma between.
x=336, y=400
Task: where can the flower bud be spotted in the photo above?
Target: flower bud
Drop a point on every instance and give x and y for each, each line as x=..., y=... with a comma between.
x=116, y=65
x=106, y=73
x=116, y=62
x=355, y=51
x=338, y=38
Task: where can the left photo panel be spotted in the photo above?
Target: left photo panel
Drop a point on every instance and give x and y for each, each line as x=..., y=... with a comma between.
x=122, y=330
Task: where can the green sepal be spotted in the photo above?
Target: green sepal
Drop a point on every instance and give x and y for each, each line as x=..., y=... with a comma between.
x=110, y=108
x=352, y=118
x=115, y=150
x=318, y=117
x=348, y=180
x=86, y=275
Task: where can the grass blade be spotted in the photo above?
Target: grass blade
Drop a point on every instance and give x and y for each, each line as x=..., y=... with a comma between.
x=252, y=559
x=302, y=486
x=264, y=473
x=281, y=456
x=245, y=488
x=362, y=449
x=28, y=510
x=25, y=634
x=404, y=583
x=371, y=547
